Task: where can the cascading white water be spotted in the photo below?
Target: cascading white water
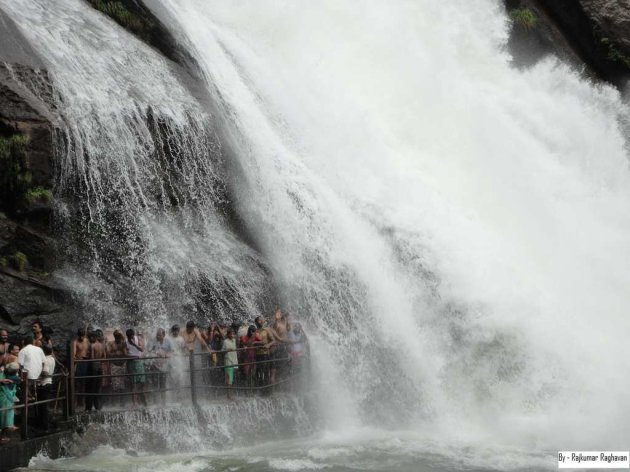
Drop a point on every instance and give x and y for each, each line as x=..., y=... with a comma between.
x=456, y=231
x=140, y=180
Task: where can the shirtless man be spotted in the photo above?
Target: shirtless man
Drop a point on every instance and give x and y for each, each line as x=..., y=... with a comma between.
x=97, y=353
x=4, y=346
x=81, y=351
x=190, y=334
x=280, y=324
x=268, y=337
x=38, y=334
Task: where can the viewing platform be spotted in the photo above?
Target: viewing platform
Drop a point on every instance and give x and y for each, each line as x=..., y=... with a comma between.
x=187, y=389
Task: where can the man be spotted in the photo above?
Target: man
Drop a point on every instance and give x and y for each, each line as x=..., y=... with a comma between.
x=263, y=367
x=38, y=334
x=45, y=387
x=160, y=347
x=176, y=340
x=81, y=353
x=32, y=359
x=192, y=334
x=93, y=385
x=4, y=347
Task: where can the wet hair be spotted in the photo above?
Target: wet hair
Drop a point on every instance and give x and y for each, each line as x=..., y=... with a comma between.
x=48, y=350
x=12, y=346
x=118, y=334
x=130, y=333
x=174, y=328
x=230, y=330
x=190, y=324
x=37, y=322
x=160, y=331
x=251, y=330
x=27, y=340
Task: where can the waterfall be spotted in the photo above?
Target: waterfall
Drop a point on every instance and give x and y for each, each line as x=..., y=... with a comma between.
x=140, y=180
x=455, y=231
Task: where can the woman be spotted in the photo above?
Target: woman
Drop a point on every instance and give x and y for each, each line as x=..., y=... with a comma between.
x=249, y=355
x=135, y=348
x=117, y=349
x=231, y=359
x=8, y=386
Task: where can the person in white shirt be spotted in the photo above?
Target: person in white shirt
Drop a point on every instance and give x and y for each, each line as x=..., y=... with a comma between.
x=31, y=358
x=45, y=387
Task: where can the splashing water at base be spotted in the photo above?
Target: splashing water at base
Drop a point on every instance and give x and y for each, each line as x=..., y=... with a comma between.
x=356, y=450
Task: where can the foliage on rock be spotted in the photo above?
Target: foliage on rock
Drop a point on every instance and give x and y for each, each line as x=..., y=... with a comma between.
x=117, y=11
x=16, y=181
x=524, y=17
x=18, y=261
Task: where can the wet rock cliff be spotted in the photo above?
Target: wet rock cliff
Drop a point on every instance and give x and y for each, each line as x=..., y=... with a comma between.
x=593, y=35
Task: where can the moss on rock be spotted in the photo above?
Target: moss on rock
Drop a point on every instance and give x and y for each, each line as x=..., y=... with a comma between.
x=18, y=261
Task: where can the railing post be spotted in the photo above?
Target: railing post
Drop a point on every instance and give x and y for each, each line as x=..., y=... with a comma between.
x=70, y=392
x=64, y=406
x=24, y=427
x=193, y=387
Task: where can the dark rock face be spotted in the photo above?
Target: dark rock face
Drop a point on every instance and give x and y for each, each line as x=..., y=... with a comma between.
x=134, y=16
x=591, y=33
x=30, y=293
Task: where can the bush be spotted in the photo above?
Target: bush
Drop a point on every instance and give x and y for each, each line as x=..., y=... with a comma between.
x=38, y=194
x=524, y=17
x=18, y=261
x=14, y=178
x=121, y=15
x=3, y=262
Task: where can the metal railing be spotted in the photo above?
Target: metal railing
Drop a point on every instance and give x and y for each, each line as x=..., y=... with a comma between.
x=28, y=400
x=65, y=384
x=175, y=363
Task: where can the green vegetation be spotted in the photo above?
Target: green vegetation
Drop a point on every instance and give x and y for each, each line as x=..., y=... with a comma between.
x=614, y=54
x=16, y=181
x=3, y=262
x=18, y=261
x=14, y=178
x=524, y=17
x=38, y=194
x=118, y=12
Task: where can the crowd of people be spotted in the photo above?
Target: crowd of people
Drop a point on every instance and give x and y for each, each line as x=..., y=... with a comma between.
x=112, y=365
x=34, y=357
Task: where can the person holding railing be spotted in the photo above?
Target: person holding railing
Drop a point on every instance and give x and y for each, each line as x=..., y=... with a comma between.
x=9, y=381
x=231, y=360
x=31, y=358
x=135, y=349
x=97, y=354
x=45, y=387
x=81, y=351
x=248, y=356
x=117, y=349
x=160, y=347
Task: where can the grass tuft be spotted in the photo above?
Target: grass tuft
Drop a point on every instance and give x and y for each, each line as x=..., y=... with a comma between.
x=18, y=261
x=524, y=17
x=38, y=194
